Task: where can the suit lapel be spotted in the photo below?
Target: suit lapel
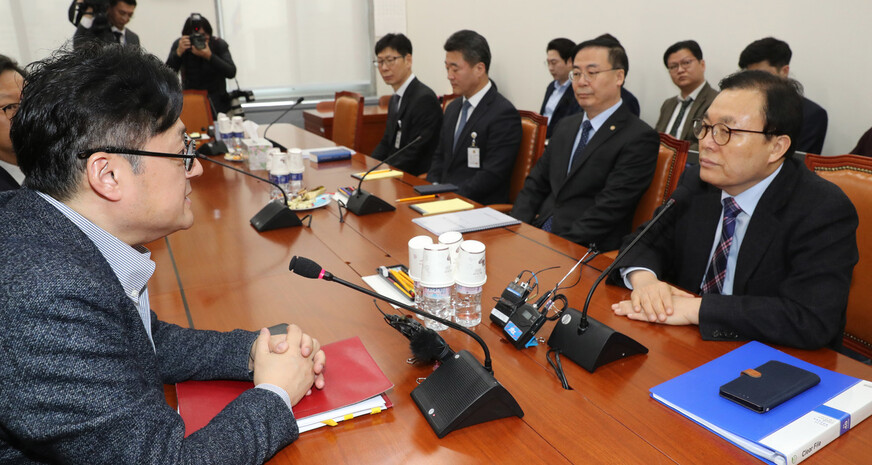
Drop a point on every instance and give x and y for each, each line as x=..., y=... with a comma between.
x=696, y=110
x=667, y=111
x=704, y=215
x=478, y=113
x=613, y=125
x=406, y=101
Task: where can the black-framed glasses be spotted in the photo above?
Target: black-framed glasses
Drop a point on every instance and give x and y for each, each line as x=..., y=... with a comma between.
x=11, y=109
x=685, y=63
x=589, y=76
x=386, y=61
x=189, y=153
x=720, y=132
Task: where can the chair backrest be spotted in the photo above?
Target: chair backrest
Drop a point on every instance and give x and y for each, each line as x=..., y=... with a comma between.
x=446, y=99
x=348, y=119
x=196, y=111
x=325, y=105
x=853, y=174
x=384, y=101
x=533, y=129
x=671, y=159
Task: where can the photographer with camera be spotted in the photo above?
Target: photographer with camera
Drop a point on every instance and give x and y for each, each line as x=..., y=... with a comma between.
x=103, y=20
x=204, y=61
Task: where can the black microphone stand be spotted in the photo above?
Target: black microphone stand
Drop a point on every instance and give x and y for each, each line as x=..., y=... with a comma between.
x=280, y=146
x=362, y=202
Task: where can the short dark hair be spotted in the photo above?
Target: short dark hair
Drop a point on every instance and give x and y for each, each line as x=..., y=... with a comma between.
x=690, y=45
x=187, y=29
x=782, y=102
x=129, y=2
x=770, y=49
x=617, y=55
x=8, y=64
x=94, y=96
x=562, y=46
x=398, y=42
x=472, y=45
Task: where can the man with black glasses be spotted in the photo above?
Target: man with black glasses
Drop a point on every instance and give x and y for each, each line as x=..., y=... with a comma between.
x=108, y=168
x=769, y=245
x=11, y=80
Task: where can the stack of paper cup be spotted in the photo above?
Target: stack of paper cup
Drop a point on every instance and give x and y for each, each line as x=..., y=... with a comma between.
x=471, y=269
x=452, y=239
x=416, y=261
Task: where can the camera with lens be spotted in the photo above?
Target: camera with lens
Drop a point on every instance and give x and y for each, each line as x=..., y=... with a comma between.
x=198, y=38
x=96, y=8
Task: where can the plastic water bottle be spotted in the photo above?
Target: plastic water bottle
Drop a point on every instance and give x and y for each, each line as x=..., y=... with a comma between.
x=295, y=161
x=436, y=301
x=280, y=174
x=467, y=305
x=238, y=133
x=225, y=130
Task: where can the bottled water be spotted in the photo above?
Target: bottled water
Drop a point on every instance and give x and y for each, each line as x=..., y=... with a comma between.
x=467, y=305
x=296, y=168
x=436, y=301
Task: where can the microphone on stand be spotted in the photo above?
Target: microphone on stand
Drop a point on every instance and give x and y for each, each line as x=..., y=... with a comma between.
x=588, y=342
x=363, y=203
x=460, y=392
x=276, y=214
x=280, y=146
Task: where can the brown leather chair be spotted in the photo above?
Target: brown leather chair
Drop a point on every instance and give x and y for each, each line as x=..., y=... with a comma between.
x=196, y=111
x=853, y=174
x=348, y=119
x=446, y=99
x=533, y=129
x=325, y=105
x=671, y=160
x=384, y=101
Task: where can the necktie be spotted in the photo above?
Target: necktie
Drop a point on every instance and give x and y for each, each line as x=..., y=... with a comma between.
x=117, y=37
x=463, y=113
x=717, y=269
x=585, y=132
x=677, y=124
x=394, y=105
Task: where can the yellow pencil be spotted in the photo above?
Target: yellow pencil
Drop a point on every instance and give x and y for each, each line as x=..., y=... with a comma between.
x=400, y=279
x=420, y=197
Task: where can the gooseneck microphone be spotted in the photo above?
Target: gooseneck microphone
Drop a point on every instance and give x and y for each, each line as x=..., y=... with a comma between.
x=585, y=340
x=299, y=100
x=276, y=214
x=460, y=392
x=363, y=203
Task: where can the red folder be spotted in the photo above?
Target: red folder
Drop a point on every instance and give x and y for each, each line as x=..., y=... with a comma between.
x=351, y=376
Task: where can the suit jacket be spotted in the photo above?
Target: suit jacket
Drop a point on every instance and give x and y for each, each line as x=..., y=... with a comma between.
x=814, y=128
x=7, y=182
x=80, y=381
x=211, y=76
x=498, y=136
x=697, y=109
x=793, y=269
x=420, y=115
x=631, y=102
x=567, y=105
x=864, y=145
x=83, y=35
x=595, y=202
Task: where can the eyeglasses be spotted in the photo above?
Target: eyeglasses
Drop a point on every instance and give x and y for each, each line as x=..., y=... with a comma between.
x=588, y=76
x=683, y=64
x=720, y=132
x=189, y=153
x=11, y=109
x=386, y=61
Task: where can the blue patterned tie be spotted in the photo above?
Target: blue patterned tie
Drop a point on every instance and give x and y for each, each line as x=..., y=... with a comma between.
x=585, y=132
x=466, y=107
x=717, y=270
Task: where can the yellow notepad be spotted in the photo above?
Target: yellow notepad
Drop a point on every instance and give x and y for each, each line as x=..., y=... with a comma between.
x=378, y=174
x=441, y=206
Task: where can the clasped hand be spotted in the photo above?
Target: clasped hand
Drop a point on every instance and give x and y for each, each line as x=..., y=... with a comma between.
x=655, y=301
x=185, y=44
x=296, y=371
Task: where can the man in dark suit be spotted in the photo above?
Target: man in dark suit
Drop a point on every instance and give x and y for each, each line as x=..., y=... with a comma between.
x=11, y=81
x=84, y=357
x=111, y=29
x=768, y=244
x=481, y=132
x=773, y=56
x=687, y=70
x=598, y=163
x=559, y=101
x=413, y=110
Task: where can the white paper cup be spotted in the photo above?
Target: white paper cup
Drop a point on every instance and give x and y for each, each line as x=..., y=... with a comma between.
x=436, y=270
x=471, y=268
x=452, y=239
x=416, y=255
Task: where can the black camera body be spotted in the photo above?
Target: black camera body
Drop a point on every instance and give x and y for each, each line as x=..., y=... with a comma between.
x=96, y=8
x=198, y=38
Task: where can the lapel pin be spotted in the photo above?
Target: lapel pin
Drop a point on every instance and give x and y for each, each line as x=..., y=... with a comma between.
x=612, y=127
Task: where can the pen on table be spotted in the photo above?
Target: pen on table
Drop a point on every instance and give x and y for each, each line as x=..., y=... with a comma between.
x=398, y=276
x=420, y=197
x=400, y=287
x=378, y=172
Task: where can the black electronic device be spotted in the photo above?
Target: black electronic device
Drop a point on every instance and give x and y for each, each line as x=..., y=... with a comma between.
x=461, y=392
x=276, y=214
x=513, y=296
x=96, y=8
x=588, y=342
x=362, y=202
x=198, y=36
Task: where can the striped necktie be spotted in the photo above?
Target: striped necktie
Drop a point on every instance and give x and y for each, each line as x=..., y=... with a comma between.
x=717, y=269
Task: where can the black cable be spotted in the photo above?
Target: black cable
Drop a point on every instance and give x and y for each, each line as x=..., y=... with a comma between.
x=558, y=368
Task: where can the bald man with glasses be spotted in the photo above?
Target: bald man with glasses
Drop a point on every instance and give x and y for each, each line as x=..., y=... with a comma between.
x=768, y=246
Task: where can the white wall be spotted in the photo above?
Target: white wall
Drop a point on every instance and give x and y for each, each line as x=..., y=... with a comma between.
x=831, y=43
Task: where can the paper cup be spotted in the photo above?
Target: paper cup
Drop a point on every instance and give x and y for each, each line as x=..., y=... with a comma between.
x=436, y=270
x=452, y=239
x=416, y=255
x=471, y=269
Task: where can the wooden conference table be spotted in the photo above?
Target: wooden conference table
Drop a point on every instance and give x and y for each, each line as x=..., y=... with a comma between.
x=230, y=276
x=375, y=118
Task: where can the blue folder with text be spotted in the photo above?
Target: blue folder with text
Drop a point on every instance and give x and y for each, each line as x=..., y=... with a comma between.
x=782, y=435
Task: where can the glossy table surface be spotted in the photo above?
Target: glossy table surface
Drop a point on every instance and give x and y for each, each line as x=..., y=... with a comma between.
x=230, y=276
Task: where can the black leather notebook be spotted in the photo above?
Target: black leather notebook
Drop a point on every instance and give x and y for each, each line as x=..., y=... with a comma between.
x=769, y=385
x=427, y=189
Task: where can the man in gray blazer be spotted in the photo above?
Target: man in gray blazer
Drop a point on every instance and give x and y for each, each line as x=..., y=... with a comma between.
x=109, y=29
x=687, y=70
x=108, y=168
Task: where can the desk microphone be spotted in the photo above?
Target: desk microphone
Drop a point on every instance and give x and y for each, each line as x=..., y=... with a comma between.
x=363, y=203
x=460, y=392
x=588, y=342
x=276, y=214
x=282, y=147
